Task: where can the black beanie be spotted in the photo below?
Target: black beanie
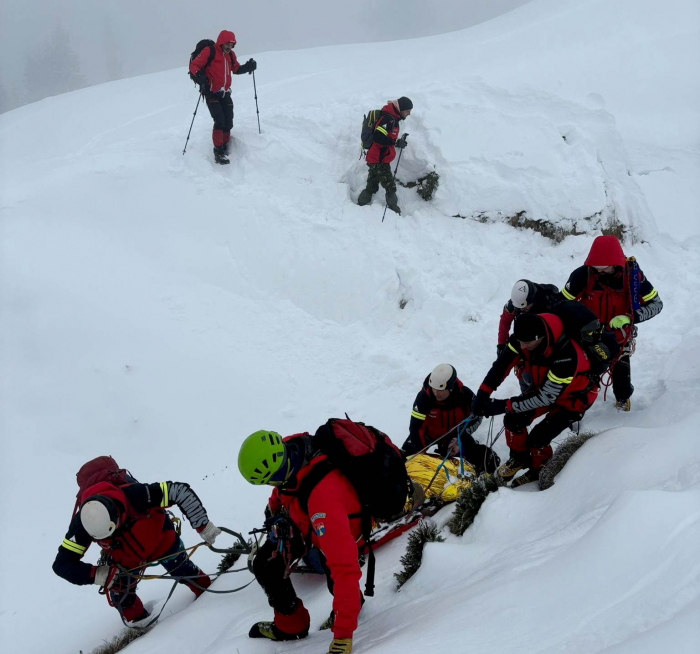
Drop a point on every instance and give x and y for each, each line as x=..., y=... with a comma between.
x=404, y=104
x=528, y=327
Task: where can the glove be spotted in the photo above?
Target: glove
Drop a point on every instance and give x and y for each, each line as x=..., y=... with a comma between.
x=105, y=576
x=341, y=646
x=201, y=79
x=499, y=348
x=252, y=65
x=618, y=322
x=479, y=403
x=494, y=408
x=209, y=532
x=401, y=143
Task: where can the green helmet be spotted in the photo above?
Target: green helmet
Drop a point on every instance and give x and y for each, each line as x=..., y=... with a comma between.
x=261, y=456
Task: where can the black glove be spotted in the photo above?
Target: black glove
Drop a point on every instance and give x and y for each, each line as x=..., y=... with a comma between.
x=484, y=459
x=252, y=65
x=201, y=79
x=248, y=67
x=401, y=143
x=495, y=408
x=499, y=348
x=479, y=403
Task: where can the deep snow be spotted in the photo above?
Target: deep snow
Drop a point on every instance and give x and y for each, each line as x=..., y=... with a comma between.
x=159, y=308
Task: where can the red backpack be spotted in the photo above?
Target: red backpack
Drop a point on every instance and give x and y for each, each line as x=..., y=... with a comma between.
x=102, y=468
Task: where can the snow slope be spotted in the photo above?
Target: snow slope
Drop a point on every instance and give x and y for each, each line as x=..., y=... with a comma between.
x=159, y=308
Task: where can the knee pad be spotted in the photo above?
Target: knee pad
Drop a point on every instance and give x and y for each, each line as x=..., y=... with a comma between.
x=516, y=439
x=540, y=456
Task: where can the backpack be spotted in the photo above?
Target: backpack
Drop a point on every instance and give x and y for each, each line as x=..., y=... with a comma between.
x=582, y=326
x=369, y=124
x=102, y=468
x=204, y=43
x=375, y=468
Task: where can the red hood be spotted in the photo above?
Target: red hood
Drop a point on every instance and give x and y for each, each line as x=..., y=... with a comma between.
x=606, y=251
x=389, y=108
x=225, y=37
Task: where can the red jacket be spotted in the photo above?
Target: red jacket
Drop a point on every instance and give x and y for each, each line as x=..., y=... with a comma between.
x=559, y=373
x=327, y=526
x=143, y=538
x=222, y=66
x=386, y=131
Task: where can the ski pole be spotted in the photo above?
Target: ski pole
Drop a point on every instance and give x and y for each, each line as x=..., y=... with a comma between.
x=192, y=123
x=255, y=91
x=398, y=161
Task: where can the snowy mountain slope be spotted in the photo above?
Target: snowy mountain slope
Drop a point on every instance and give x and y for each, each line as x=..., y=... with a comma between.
x=160, y=309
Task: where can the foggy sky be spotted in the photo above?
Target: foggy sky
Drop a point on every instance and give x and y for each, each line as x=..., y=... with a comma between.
x=112, y=39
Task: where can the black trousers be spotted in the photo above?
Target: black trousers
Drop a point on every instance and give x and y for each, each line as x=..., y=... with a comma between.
x=622, y=379
x=221, y=110
x=542, y=434
x=269, y=568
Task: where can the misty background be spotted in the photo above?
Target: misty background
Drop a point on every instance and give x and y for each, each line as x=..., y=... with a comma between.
x=51, y=47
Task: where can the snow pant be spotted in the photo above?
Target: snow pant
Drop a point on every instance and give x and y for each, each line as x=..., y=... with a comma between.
x=270, y=569
x=123, y=595
x=533, y=449
x=380, y=173
x=622, y=379
x=221, y=110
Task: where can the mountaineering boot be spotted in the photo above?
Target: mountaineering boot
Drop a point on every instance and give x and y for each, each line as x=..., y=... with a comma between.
x=623, y=405
x=140, y=618
x=529, y=476
x=220, y=155
x=328, y=622
x=365, y=198
x=392, y=202
x=511, y=468
x=286, y=626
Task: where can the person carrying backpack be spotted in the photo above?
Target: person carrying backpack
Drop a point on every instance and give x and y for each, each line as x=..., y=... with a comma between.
x=212, y=69
x=315, y=505
x=562, y=390
x=382, y=151
x=128, y=521
x=615, y=289
x=442, y=404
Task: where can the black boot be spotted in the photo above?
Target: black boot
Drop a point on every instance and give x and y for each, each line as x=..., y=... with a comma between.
x=392, y=202
x=365, y=198
x=220, y=155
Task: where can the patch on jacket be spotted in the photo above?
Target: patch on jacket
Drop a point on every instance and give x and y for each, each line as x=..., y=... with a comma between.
x=317, y=516
x=320, y=529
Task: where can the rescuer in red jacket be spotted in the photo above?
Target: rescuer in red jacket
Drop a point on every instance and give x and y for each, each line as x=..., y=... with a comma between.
x=214, y=81
x=385, y=140
x=561, y=389
x=615, y=289
x=329, y=522
x=129, y=523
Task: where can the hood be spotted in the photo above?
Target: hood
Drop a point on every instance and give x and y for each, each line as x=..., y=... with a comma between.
x=225, y=37
x=391, y=107
x=606, y=251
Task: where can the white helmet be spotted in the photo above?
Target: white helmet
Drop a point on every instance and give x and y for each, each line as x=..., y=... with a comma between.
x=99, y=516
x=443, y=377
x=523, y=293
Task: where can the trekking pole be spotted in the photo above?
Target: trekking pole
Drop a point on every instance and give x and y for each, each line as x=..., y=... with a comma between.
x=398, y=161
x=255, y=90
x=192, y=123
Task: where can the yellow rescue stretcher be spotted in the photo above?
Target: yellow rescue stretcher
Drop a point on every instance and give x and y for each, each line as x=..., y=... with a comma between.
x=447, y=484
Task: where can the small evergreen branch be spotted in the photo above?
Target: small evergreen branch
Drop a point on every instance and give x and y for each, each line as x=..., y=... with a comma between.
x=562, y=454
x=425, y=186
x=229, y=559
x=469, y=502
x=426, y=532
x=120, y=641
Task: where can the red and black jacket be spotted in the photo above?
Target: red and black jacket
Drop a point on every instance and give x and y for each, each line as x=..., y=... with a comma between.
x=609, y=295
x=222, y=66
x=559, y=369
x=331, y=523
x=386, y=131
x=145, y=532
x=430, y=419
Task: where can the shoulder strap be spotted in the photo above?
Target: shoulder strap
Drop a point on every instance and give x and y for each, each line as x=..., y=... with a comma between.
x=212, y=54
x=308, y=483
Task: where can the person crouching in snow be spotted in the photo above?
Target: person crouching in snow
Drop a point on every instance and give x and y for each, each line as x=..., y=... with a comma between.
x=329, y=521
x=385, y=140
x=130, y=524
x=442, y=404
x=214, y=82
x=561, y=390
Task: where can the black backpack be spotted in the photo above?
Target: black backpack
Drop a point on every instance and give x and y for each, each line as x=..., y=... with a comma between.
x=369, y=123
x=581, y=325
x=204, y=43
x=375, y=468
